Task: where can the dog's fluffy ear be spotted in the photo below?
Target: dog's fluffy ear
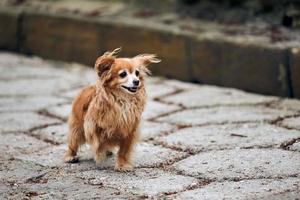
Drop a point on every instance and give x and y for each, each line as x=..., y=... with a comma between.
x=145, y=59
x=104, y=63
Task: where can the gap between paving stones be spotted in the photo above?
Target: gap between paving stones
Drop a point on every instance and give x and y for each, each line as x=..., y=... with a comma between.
x=287, y=144
x=46, y=113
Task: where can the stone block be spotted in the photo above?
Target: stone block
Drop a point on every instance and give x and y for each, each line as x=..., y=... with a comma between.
x=204, y=96
x=148, y=182
x=229, y=136
x=220, y=115
x=169, y=47
x=254, y=68
x=59, y=37
x=295, y=71
x=246, y=189
x=9, y=28
x=241, y=164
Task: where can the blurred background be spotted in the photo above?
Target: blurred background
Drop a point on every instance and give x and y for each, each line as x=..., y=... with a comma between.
x=252, y=45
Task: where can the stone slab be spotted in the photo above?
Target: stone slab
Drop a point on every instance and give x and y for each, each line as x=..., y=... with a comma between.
x=150, y=130
x=148, y=155
x=61, y=111
x=293, y=123
x=145, y=155
x=289, y=104
x=220, y=115
x=154, y=109
x=15, y=172
x=147, y=182
x=229, y=136
x=241, y=164
x=23, y=87
x=52, y=36
x=295, y=146
x=63, y=187
x=158, y=89
x=9, y=22
x=295, y=71
x=23, y=121
x=245, y=189
x=18, y=144
x=241, y=65
x=205, y=96
x=11, y=104
x=57, y=133
x=157, y=42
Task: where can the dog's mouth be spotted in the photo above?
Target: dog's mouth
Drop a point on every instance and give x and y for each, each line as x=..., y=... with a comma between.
x=130, y=89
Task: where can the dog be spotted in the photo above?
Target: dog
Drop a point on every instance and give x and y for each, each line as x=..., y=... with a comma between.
x=107, y=115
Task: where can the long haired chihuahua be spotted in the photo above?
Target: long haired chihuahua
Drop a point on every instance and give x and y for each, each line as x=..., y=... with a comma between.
x=107, y=114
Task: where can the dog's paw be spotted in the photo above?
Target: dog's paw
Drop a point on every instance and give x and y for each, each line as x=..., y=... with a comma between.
x=71, y=159
x=100, y=158
x=124, y=168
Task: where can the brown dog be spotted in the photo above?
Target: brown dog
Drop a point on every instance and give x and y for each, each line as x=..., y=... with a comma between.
x=107, y=115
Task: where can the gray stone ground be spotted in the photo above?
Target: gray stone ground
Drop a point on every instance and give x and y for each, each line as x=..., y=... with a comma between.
x=198, y=141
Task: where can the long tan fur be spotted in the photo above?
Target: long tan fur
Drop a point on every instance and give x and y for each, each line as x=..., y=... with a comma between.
x=104, y=115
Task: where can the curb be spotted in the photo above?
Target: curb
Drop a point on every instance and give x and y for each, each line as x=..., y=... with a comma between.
x=225, y=61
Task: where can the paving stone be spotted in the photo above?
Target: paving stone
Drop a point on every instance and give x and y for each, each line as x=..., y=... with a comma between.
x=158, y=89
x=289, y=104
x=54, y=156
x=152, y=129
x=148, y=155
x=224, y=115
x=14, y=144
x=56, y=133
x=295, y=146
x=213, y=96
x=23, y=121
x=241, y=164
x=64, y=187
x=293, y=123
x=245, y=189
x=154, y=109
x=145, y=155
x=229, y=136
x=71, y=94
x=28, y=68
x=28, y=103
x=15, y=172
x=285, y=195
x=24, y=87
x=62, y=111
x=149, y=182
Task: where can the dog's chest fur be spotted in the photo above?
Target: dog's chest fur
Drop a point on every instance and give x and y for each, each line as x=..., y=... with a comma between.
x=119, y=115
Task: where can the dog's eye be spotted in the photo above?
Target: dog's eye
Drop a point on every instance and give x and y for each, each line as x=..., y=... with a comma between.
x=123, y=74
x=137, y=73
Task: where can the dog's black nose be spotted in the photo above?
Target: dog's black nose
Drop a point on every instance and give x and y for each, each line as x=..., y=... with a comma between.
x=136, y=82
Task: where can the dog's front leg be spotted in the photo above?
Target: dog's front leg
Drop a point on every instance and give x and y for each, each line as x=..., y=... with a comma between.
x=124, y=157
x=94, y=139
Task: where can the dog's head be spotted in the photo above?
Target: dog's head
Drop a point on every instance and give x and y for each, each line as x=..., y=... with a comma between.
x=125, y=74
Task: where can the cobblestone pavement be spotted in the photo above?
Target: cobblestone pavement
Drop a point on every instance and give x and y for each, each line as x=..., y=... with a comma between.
x=198, y=141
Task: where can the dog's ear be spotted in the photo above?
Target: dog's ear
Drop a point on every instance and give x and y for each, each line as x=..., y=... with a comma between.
x=146, y=59
x=104, y=63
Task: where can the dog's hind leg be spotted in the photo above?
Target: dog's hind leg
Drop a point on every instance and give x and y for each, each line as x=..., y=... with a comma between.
x=75, y=140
